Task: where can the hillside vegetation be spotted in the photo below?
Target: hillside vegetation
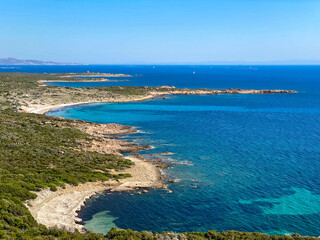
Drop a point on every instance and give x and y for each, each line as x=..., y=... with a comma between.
x=38, y=151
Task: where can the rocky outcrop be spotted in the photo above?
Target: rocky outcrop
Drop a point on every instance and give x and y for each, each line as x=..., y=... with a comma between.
x=164, y=90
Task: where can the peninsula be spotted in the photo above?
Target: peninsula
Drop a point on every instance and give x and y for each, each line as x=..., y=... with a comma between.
x=27, y=92
x=50, y=166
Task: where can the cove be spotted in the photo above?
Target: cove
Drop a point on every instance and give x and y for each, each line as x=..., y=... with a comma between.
x=253, y=163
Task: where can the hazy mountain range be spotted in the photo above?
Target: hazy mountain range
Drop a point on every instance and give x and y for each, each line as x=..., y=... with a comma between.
x=15, y=61
x=9, y=61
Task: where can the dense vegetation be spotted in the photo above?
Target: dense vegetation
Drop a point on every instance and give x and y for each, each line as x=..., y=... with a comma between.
x=229, y=235
x=37, y=152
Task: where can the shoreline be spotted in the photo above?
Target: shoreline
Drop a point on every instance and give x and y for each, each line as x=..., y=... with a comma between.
x=93, y=74
x=47, y=108
x=79, y=80
x=60, y=209
x=44, y=108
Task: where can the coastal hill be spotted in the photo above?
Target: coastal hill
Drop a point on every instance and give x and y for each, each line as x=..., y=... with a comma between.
x=14, y=61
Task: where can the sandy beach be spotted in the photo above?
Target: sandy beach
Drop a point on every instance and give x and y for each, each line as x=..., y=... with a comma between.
x=44, y=108
x=59, y=208
x=78, y=80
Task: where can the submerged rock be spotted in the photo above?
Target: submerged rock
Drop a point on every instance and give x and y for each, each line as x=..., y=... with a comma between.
x=173, y=180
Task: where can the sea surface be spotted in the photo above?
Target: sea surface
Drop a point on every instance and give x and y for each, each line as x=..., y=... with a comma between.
x=245, y=162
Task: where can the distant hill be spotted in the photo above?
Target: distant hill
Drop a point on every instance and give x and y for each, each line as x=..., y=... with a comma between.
x=15, y=61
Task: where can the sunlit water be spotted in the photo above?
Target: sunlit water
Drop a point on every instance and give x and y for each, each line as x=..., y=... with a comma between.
x=252, y=161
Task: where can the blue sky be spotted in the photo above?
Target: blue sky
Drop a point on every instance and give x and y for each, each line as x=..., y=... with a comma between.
x=161, y=31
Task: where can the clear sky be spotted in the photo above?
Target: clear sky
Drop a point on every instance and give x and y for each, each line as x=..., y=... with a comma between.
x=161, y=31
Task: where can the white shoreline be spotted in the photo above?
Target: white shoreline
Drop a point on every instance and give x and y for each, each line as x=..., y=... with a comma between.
x=47, y=108
x=60, y=208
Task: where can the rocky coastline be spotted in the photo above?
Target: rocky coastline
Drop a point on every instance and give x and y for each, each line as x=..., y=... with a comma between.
x=59, y=208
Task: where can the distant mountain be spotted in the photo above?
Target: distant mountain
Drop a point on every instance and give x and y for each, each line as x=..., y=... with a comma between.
x=15, y=61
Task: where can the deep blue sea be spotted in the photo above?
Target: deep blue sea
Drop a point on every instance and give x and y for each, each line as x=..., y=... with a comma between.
x=246, y=162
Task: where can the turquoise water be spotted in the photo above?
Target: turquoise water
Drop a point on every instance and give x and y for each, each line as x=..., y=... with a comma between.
x=252, y=162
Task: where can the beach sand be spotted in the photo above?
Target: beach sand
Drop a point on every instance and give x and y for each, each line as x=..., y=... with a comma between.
x=59, y=208
x=44, y=108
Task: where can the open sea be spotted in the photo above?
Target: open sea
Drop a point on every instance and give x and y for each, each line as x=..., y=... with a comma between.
x=245, y=162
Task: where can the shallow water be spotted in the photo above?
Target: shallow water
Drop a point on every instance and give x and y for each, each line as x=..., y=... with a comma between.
x=253, y=160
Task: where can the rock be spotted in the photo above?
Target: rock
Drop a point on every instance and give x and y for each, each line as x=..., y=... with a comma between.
x=162, y=165
x=165, y=153
x=139, y=193
x=158, y=160
x=78, y=220
x=145, y=191
x=173, y=180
